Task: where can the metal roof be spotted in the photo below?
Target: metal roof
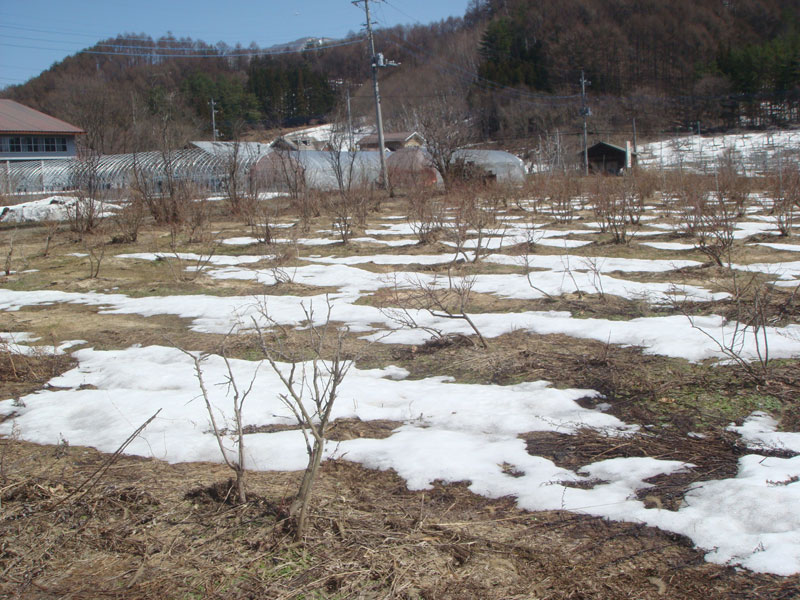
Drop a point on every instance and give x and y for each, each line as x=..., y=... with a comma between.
x=599, y=145
x=18, y=118
x=400, y=136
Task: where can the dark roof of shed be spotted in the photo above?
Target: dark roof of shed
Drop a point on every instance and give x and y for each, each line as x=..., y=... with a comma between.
x=600, y=145
x=400, y=136
x=18, y=118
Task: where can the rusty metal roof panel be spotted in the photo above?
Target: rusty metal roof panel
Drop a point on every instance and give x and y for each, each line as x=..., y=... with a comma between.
x=18, y=118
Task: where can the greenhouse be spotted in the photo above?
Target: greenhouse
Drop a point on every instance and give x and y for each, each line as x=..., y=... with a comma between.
x=283, y=170
x=209, y=165
x=504, y=167
x=120, y=171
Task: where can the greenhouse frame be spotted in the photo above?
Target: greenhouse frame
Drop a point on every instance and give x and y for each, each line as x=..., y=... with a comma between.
x=210, y=165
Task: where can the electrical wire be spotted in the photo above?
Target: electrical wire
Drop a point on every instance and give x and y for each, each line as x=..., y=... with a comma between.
x=211, y=52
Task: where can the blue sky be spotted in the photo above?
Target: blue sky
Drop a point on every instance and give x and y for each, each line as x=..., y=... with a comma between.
x=36, y=33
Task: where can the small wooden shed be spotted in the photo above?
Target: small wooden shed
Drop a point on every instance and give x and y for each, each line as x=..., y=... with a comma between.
x=610, y=159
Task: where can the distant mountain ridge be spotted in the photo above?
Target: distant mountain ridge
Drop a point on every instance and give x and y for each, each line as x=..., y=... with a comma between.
x=510, y=68
x=301, y=44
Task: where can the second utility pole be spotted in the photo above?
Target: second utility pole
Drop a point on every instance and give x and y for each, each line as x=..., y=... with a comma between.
x=585, y=112
x=377, y=61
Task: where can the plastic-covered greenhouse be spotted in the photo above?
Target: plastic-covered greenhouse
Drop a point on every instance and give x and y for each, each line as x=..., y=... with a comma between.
x=210, y=164
x=283, y=170
x=504, y=166
x=116, y=171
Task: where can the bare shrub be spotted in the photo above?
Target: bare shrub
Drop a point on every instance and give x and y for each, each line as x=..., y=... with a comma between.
x=752, y=301
x=261, y=216
x=783, y=186
x=128, y=220
x=689, y=196
x=188, y=267
x=234, y=460
x=560, y=191
x=446, y=128
x=310, y=389
x=85, y=212
x=352, y=200
x=471, y=217
x=95, y=247
x=283, y=170
x=425, y=214
x=197, y=213
x=731, y=184
x=640, y=187
x=610, y=203
x=531, y=195
x=236, y=182
x=278, y=265
x=443, y=296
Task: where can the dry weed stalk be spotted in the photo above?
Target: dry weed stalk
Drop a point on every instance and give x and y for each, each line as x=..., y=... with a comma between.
x=51, y=230
x=9, y=253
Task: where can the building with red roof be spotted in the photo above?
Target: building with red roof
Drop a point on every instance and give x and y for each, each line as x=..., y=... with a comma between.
x=27, y=134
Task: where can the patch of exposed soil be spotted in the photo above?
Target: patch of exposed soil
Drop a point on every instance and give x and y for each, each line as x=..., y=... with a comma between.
x=153, y=530
x=713, y=457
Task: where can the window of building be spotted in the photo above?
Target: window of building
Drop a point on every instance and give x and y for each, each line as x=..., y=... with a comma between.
x=49, y=144
x=62, y=144
x=15, y=144
x=32, y=144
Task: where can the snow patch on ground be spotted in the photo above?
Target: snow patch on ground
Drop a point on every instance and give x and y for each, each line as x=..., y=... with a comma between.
x=760, y=432
x=52, y=208
x=450, y=432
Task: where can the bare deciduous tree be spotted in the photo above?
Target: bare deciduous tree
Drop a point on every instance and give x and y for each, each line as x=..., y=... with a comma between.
x=445, y=125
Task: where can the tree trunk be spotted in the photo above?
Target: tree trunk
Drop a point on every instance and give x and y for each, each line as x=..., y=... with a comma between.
x=299, y=509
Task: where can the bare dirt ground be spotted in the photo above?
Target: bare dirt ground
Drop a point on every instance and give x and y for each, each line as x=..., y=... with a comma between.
x=146, y=529
x=79, y=524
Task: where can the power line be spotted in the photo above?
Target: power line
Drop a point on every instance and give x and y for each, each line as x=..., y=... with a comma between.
x=211, y=52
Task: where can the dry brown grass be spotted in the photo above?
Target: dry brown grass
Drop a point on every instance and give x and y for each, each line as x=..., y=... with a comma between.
x=152, y=530
x=147, y=529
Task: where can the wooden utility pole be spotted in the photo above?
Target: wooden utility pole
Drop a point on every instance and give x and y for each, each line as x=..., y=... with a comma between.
x=213, y=119
x=377, y=62
x=349, y=123
x=585, y=112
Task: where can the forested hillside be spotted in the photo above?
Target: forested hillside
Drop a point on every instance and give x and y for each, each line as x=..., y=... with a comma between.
x=512, y=66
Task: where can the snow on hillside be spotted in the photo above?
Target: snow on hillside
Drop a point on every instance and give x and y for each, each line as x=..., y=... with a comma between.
x=758, y=151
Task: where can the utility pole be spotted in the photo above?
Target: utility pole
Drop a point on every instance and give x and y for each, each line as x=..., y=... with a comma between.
x=585, y=112
x=213, y=119
x=349, y=122
x=378, y=62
